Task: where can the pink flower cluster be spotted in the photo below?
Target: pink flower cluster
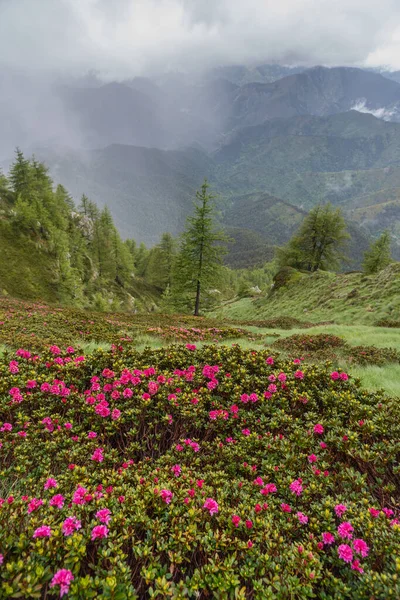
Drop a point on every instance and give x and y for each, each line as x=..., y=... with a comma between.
x=63, y=578
x=211, y=505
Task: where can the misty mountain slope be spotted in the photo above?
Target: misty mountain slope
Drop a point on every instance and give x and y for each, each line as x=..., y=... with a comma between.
x=318, y=91
x=271, y=222
x=241, y=74
x=148, y=191
x=257, y=223
x=308, y=159
x=272, y=218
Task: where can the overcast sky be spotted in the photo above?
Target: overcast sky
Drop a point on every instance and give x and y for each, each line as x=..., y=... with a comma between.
x=122, y=38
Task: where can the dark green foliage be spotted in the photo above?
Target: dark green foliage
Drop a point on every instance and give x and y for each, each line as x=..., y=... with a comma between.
x=387, y=323
x=280, y=323
x=161, y=262
x=310, y=343
x=199, y=260
x=371, y=355
x=378, y=256
x=80, y=247
x=318, y=243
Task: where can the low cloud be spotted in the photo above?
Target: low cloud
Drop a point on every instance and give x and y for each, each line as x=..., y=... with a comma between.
x=386, y=114
x=122, y=38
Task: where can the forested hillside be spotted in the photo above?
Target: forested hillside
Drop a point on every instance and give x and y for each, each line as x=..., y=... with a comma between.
x=54, y=250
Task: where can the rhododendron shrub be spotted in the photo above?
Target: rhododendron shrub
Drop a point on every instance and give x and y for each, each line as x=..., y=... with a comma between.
x=136, y=478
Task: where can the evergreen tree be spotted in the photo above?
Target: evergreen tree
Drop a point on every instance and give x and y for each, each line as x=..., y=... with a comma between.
x=161, y=261
x=378, y=256
x=201, y=251
x=141, y=260
x=318, y=243
x=20, y=176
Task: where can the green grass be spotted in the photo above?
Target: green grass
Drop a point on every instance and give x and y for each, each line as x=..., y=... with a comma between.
x=344, y=298
x=355, y=335
x=26, y=270
x=376, y=378
x=89, y=347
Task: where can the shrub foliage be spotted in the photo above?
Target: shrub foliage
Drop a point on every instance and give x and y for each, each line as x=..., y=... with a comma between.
x=187, y=473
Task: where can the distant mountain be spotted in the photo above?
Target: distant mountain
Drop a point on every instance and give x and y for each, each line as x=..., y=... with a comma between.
x=258, y=223
x=306, y=159
x=241, y=74
x=273, y=218
x=318, y=91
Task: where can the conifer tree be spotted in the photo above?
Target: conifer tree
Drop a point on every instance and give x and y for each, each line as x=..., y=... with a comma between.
x=318, y=243
x=378, y=256
x=201, y=251
x=161, y=261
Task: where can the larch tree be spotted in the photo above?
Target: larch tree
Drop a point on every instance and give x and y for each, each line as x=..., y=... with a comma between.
x=378, y=256
x=319, y=242
x=201, y=250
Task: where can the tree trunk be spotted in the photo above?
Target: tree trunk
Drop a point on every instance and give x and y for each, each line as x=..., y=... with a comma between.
x=197, y=304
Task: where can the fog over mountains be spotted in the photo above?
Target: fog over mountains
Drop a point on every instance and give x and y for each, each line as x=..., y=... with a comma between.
x=143, y=145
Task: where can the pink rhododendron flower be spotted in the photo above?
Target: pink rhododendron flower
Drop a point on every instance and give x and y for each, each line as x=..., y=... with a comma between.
x=70, y=525
x=63, y=578
x=249, y=524
x=374, y=512
x=1, y=559
x=50, y=483
x=345, y=530
x=340, y=509
x=246, y=431
x=361, y=547
x=269, y=360
x=102, y=410
x=302, y=518
x=115, y=414
x=211, y=505
x=318, y=428
x=57, y=501
x=176, y=469
x=13, y=367
x=269, y=488
x=97, y=455
x=299, y=375
x=166, y=495
x=104, y=515
x=312, y=458
x=296, y=487
x=100, y=532
x=6, y=427
x=345, y=553
x=328, y=538
x=235, y=520
x=344, y=376
x=80, y=496
x=286, y=507
x=355, y=565
x=42, y=532
x=335, y=375
x=34, y=504
x=92, y=434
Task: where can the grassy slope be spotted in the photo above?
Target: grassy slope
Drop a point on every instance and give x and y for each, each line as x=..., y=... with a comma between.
x=26, y=271
x=344, y=298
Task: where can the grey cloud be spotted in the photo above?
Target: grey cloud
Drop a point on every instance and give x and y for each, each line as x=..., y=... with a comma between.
x=126, y=37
